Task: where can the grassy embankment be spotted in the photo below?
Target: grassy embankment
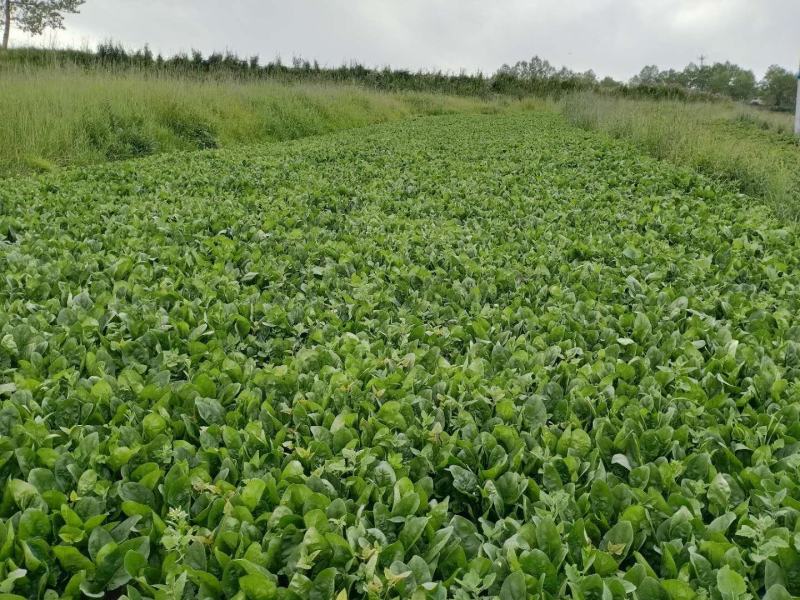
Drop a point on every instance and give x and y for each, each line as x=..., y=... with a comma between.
x=64, y=116
x=70, y=117
x=752, y=149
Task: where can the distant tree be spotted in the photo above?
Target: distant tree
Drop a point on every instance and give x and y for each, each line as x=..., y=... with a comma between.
x=609, y=82
x=726, y=79
x=743, y=85
x=649, y=75
x=539, y=68
x=673, y=78
x=588, y=77
x=34, y=16
x=536, y=68
x=779, y=88
x=696, y=77
x=564, y=74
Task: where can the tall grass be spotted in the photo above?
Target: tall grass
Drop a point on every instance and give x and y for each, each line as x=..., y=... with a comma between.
x=752, y=149
x=114, y=58
x=58, y=117
x=66, y=115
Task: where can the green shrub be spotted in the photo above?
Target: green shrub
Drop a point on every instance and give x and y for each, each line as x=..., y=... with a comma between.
x=189, y=126
x=752, y=149
x=75, y=117
x=118, y=136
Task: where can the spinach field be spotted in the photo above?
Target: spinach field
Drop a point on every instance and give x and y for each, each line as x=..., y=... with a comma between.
x=467, y=356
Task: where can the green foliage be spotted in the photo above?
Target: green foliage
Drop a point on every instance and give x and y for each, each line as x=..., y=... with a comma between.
x=74, y=107
x=779, y=88
x=117, y=136
x=67, y=117
x=189, y=126
x=534, y=77
x=752, y=150
x=484, y=356
x=722, y=79
x=34, y=17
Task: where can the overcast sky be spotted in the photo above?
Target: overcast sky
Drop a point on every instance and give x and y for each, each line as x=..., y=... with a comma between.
x=612, y=37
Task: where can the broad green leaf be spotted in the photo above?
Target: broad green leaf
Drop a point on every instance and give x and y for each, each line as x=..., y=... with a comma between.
x=729, y=583
x=514, y=587
x=71, y=559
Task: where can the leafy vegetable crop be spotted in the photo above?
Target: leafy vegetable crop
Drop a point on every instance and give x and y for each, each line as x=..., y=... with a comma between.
x=459, y=357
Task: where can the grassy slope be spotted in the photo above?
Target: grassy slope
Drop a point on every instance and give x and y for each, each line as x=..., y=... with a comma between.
x=69, y=117
x=753, y=149
x=531, y=334
x=60, y=117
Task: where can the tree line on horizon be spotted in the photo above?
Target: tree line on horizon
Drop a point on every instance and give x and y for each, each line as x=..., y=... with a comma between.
x=777, y=89
x=537, y=76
